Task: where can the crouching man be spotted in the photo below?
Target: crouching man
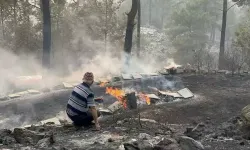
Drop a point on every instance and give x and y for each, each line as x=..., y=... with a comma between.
x=81, y=106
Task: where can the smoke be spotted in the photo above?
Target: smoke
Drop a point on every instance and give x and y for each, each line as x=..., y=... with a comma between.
x=12, y=66
x=14, y=121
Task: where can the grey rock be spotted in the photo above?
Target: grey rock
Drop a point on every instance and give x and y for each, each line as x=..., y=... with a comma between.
x=167, y=141
x=45, y=143
x=27, y=148
x=3, y=134
x=8, y=140
x=120, y=122
x=167, y=144
x=196, y=132
x=170, y=147
x=144, y=136
x=24, y=136
x=58, y=148
x=188, y=143
x=146, y=145
x=131, y=146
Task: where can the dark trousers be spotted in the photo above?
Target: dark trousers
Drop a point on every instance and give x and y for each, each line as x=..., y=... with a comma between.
x=84, y=119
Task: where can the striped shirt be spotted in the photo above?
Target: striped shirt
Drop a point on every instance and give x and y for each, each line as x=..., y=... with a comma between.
x=81, y=98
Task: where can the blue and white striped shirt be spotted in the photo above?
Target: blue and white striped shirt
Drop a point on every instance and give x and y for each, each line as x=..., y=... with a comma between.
x=81, y=98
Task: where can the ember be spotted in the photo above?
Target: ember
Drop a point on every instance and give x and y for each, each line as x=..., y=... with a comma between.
x=117, y=93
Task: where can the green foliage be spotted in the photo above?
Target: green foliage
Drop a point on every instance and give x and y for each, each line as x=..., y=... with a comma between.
x=242, y=36
x=21, y=23
x=190, y=25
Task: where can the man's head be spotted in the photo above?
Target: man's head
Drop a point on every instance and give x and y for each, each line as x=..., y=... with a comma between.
x=88, y=78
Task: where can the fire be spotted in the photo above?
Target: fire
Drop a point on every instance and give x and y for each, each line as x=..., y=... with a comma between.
x=145, y=98
x=102, y=84
x=120, y=96
x=117, y=93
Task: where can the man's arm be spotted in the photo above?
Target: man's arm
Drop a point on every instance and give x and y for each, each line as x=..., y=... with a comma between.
x=91, y=105
x=94, y=114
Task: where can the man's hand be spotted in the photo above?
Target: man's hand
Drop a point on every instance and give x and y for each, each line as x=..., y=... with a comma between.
x=99, y=99
x=95, y=116
x=97, y=126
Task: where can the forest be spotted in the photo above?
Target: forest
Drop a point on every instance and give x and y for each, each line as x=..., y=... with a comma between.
x=197, y=32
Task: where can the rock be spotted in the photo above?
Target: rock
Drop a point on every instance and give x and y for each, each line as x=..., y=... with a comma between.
x=3, y=134
x=131, y=146
x=188, y=143
x=170, y=147
x=58, y=148
x=167, y=141
x=196, y=132
x=45, y=143
x=8, y=140
x=245, y=123
x=24, y=136
x=119, y=122
x=167, y=144
x=27, y=148
x=245, y=114
x=146, y=145
x=144, y=136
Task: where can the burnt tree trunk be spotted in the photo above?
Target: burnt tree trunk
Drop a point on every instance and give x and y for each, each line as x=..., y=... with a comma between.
x=15, y=24
x=130, y=27
x=139, y=29
x=223, y=35
x=106, y=25
x=2, y=20
x=150, y=12
x=46, y=33
x=131, y=100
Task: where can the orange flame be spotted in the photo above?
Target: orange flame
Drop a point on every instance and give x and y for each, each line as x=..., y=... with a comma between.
x=118, y=94
x=102, y=84
x=145, y=98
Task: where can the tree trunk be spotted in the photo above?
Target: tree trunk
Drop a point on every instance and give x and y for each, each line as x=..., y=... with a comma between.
x=46, y=33
x=139, y=29
x=150, y=12
x=130, y=27
x=15, y=24
x=162, y=14
x=2, y=21
x=223, y=34
x=106, y=24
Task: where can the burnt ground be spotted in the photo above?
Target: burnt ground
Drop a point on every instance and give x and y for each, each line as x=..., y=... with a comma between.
x=217, y=104
x=218, y=99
